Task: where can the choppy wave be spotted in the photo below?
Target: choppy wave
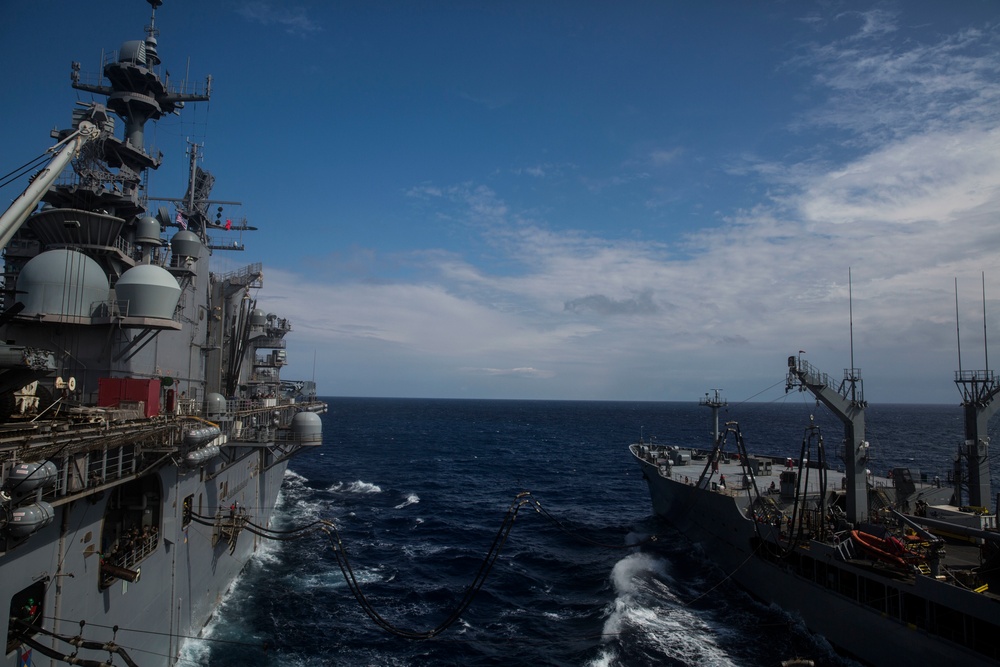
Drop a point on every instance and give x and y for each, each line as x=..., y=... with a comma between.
x=411, y=499
x=355, y=487
x=549, y=599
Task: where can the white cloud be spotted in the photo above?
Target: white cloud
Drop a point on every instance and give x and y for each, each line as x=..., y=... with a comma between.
x=903, y=194
x=934, y=176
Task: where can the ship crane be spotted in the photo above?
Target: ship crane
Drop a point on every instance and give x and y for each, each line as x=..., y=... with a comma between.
x=65, y=151
x=848, y=404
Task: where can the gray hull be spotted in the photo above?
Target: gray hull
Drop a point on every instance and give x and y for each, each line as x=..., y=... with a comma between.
x=866, y=611
x=182, y=579
x=144, y=424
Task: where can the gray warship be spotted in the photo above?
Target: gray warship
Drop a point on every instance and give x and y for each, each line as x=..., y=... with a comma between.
x=891, y=570
x=144, y=425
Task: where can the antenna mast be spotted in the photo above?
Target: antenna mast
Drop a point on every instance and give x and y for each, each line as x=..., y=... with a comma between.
x=958, y=333
x=850, y=317
x=986, y=348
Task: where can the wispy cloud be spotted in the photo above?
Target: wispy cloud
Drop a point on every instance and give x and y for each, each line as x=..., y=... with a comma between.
x=903, y=192
x=882, y=88
x=293, y=19
x=526, y=372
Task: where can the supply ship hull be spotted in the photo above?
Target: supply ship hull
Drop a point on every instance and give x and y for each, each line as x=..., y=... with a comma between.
x=144, y=425
x=884, y=586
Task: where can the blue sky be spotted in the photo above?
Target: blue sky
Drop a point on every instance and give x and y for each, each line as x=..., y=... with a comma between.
x=580, y=200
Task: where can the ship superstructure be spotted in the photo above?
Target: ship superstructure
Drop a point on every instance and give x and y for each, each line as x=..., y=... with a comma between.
x=889, y=569
x=144, y=425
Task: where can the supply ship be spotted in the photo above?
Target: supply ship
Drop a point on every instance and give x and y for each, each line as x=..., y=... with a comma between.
x=891, y=570
x=144, y=425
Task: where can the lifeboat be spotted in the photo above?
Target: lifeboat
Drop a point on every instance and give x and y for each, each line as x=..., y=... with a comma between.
x=888, y=549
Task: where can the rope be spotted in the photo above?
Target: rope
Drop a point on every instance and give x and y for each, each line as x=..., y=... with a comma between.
x=477, y=583
x=522, y=499
x=541, y=510
x=78, y=642
x=17, y=173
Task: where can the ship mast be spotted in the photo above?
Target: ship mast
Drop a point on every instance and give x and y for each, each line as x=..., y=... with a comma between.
x=848, y=404
x=978, y=389
x=714, y=401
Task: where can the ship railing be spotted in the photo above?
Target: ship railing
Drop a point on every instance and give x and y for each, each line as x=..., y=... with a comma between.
x=120, y=308
x=975, y=376
x=128, y=553
x=124, y=247
x=87, y=470
x=184, y=87
x=815, y=376
x=137, y=551
x=251, y=275
x=289, y=436
x=271, y=343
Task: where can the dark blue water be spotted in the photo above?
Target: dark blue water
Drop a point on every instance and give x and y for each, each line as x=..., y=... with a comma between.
x=418, y=488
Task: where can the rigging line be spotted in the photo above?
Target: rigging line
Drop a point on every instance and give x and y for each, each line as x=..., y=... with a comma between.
x=18, y=172
x=159, y=634
x=541, y=510
x=724, y=579
x=78, y=642
x=306, y=527
x=287, y=538
x=765, y=389
x=484, y=569
x=251, y=528
x=136, y=649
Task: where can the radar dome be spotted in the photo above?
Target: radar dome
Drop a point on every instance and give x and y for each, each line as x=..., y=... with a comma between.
x=186, y=244
x=257, y=318
x=147, y=230
x=62, y=282
x=307, y=427
x=148, y=291
x=215, y=405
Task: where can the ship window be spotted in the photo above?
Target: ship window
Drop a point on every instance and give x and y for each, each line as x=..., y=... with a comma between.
x=914, y=610
x=26, y=606
x=948, y=623
x=892, y=603
x=848, y=584
x=821, y=575
x=874, y=593
x=984, y=636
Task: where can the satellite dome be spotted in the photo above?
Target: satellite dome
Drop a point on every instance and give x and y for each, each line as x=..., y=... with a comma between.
x=186, y=244
x=147, y=230
x=257, y=318
x=215, y=405
x=307, y=427
x=148, y=291
x=62, y=282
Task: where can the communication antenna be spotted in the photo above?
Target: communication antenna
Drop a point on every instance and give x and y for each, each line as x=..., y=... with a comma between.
x=850, y=312
x=986, y=348
x=958, y=333
x=850, y=317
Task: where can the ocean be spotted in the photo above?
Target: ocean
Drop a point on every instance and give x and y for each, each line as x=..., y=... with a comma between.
x=418, y=490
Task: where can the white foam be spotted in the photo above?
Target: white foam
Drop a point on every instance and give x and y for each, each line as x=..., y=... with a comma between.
x=411, y=499
x=355, y=487
x=292, y=477
x=645, y=603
